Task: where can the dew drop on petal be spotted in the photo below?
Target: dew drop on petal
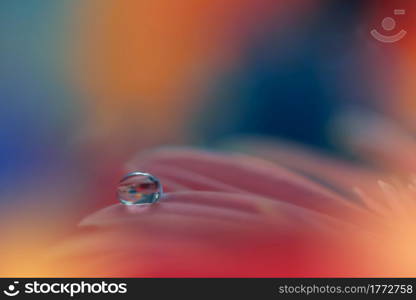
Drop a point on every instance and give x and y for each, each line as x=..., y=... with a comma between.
x=139, y=188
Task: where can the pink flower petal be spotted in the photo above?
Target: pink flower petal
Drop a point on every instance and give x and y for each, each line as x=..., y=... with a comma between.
x=207, y=209
x=239, y=173
x=340, y=174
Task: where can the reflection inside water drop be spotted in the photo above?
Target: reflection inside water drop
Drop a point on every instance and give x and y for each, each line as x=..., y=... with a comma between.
x=139, y=188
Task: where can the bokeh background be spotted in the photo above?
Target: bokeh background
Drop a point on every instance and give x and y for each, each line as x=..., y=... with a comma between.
x=85, y=85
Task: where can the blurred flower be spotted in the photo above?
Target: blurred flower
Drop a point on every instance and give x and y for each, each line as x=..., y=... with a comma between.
x=236, y=215
x=221, y=215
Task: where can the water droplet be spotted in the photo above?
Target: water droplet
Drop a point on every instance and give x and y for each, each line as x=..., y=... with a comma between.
x=139, y=188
